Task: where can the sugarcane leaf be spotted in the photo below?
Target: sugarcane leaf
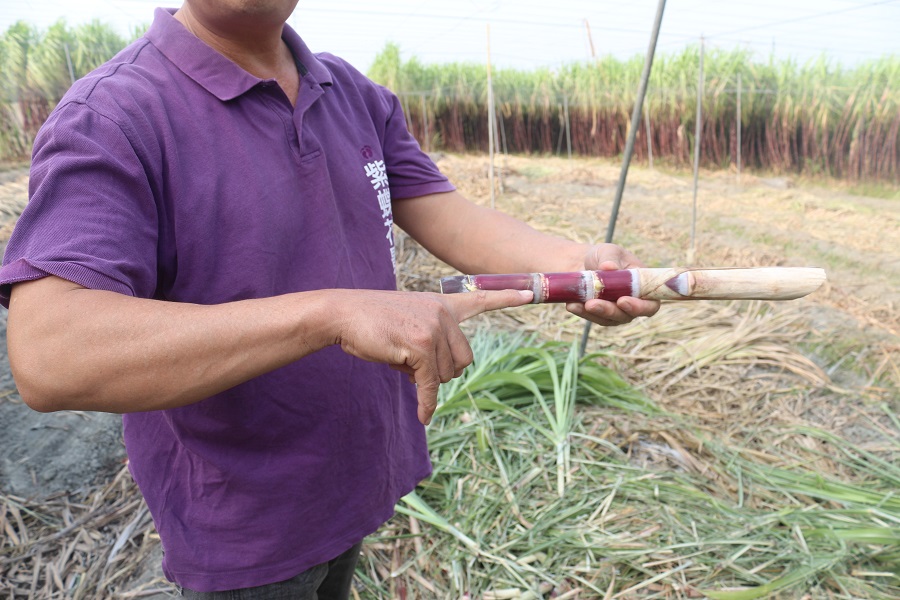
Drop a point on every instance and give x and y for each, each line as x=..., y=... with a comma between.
x=491, y=381
x=773, y=586
x=488, y=402
x=418, y=508
x=869, y=535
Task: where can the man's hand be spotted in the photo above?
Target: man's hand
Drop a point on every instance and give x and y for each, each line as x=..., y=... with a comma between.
x=607, y=257
x=418, y=334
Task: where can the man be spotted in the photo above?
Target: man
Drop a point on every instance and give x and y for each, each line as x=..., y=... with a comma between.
x=208, y=250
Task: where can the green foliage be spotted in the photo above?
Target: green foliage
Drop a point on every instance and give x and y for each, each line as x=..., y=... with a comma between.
x=509, y=373
x=35, y=64
x=717, y=521
x=36, y=69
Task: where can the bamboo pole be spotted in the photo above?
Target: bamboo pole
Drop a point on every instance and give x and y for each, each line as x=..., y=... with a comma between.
x=405, y=100
x=562, y=133
x=759, y=283
x=425, y=122
x=501, y=131
x=500, y=134
x=502, y=125
x=568, y=129
x=697, y=133
x=490, y=91
x=739, y=124
x=629, y=145
x=69, y=62
x=635, y=119
x=590, y=38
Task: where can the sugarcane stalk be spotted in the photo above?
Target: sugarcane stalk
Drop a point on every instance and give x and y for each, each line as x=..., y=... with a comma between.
x=759, y=283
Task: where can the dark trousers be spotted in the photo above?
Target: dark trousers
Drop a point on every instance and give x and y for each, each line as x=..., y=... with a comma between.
x=328, y=581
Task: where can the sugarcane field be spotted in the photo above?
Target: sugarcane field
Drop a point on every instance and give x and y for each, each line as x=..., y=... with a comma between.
x=729, y=449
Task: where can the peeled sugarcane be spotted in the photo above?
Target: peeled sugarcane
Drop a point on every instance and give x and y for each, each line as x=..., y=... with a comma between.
x=760, y=283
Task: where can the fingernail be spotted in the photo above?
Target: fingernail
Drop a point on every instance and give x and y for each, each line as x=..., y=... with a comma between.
x=427, y=421
x=527, y=294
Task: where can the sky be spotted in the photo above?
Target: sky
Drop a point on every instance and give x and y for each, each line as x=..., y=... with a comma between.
x=527, y=34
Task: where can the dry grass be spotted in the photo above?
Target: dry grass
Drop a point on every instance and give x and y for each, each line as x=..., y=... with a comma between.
x=89, y=546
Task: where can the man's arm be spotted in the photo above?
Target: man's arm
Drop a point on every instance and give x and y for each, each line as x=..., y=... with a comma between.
x=475, y=239
x=75, y=348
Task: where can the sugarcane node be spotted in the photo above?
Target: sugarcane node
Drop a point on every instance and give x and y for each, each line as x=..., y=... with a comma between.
x=454, y=285
x=618, y=283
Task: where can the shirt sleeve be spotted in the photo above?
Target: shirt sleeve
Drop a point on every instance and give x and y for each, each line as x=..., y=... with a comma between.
x=411, y=172
x=91, y=216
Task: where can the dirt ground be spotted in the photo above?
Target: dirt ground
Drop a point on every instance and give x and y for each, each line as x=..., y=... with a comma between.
x=43, y=454
x=853, y=321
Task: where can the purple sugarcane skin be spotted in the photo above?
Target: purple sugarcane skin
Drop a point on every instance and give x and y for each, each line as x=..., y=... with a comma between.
x=567, y=287
x=616, y=284
x=548, y=287
x=508, y=281
x=575, y=287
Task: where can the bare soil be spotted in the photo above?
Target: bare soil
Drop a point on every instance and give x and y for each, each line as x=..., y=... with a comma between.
x=852, y=325
x=45, y=454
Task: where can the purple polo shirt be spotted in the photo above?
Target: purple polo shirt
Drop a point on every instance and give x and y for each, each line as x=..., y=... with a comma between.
x=170, y=173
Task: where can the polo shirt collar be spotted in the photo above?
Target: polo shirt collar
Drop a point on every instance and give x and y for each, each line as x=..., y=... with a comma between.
x=214, y=72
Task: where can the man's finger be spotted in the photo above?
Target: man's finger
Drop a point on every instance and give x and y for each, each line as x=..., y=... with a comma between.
x=427, y=385
x=609, y=265
x=600, y=312
x=605, y=257
x=460, y=350
x=465, y=306
x=446, y=365
x=637, y=307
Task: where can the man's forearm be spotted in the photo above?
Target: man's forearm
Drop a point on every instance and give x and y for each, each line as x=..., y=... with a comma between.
x=476, y=239
x=79, y=349
x=74, y=348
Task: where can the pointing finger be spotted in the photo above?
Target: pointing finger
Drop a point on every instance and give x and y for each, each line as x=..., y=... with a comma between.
x=466, y=306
